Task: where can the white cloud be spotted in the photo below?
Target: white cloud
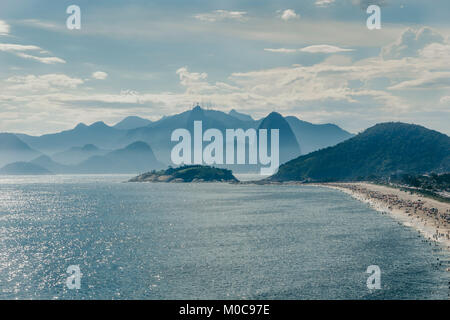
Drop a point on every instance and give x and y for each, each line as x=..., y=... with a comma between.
x=42, y=24
x=186, y=77
x=289, y=14
x=11, y=47
x=322, y=48
x=257, y=28
x=324, y=3
x=220, y=15
x=445, y=100
x=436, y=51
x=44, y=82
x=196, y=83
x=19, y=49
x=427, y=53
x=411, y=42
x=282, y=50
x=46, y=60
x=4, y=28
x=329, y=83
x=426, y=80
x=99, y=75
x=338, y=87
x=323, y=85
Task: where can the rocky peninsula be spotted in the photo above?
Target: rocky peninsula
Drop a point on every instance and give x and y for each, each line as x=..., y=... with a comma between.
x=194, y=173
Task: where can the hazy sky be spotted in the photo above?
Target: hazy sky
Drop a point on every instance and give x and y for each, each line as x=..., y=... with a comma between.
x=314, y=59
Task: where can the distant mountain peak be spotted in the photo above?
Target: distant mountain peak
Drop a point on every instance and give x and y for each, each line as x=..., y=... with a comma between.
x=99, y=124
x=9, y=141
x=132, y=118
x=42, y=158
x=313, y=137
x=136, y=157
x=275, y=116
x=89, y=147
x=13, y=149
x=95, y=125
x=132, y=122
x=288, y=144
x=240, y=116
x=197, y=111
x=138, y=146
x=273, y=120
x=80, y=125
x=395, y=126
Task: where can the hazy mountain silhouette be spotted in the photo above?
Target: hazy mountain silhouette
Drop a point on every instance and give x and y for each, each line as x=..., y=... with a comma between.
x=97, y=133
x=75, y=155
x=52, y=166
x=218, y=119
x=23, y=168
x=134, y=158
x=13, y=149
x=158, y=134
x=65, y=145
x=382, y=150
x=288, y=145
x=132, y=122
x=312, y=137
x=240, y=116
x=209, y=118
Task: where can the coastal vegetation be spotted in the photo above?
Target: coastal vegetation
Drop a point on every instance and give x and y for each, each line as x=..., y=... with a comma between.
x=435, y=186
x=433, y=182
x=378, y=152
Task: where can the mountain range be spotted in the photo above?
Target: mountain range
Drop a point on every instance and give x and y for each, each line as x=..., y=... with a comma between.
x=158, y=133
x=98, y=134
x=135, y=158
x=99, y=148
x=75, y=155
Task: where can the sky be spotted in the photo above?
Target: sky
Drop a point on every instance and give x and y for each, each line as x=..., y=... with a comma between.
x=314, y=59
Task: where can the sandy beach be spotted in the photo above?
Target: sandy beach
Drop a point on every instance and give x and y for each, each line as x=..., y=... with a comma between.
x=430, y=217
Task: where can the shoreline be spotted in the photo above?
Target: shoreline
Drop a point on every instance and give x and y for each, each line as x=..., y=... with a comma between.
x=429, y=217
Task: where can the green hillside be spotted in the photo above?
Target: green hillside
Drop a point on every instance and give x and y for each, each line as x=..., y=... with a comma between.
x=384, y=149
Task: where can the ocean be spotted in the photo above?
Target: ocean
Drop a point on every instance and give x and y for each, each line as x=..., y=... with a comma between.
x=204, y=241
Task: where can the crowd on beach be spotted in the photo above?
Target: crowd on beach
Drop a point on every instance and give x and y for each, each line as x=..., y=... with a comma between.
x=416, y=209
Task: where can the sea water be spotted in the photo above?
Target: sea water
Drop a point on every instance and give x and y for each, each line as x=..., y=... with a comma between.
x=204, y=241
